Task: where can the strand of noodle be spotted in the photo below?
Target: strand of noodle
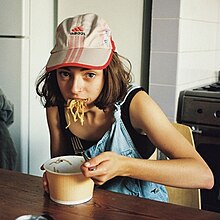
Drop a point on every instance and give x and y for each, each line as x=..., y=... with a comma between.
x=79, y=106
x=68, y=119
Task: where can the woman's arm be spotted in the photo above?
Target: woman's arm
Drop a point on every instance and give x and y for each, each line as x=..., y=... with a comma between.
x=186, y=168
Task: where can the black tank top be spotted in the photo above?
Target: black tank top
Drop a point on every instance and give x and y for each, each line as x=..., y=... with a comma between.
x=141, y=142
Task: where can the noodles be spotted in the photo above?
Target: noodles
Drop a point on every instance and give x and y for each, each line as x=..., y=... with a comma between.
x=76, y=109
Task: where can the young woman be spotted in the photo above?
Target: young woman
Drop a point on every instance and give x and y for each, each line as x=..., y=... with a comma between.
x=119, y=124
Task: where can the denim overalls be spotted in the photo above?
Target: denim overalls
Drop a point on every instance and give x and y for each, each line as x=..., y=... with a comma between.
x=118, y=140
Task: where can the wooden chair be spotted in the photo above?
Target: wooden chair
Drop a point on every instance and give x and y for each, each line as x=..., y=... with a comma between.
x=180, y=196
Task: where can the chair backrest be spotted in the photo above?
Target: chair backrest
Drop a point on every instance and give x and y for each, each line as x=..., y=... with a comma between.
x=180, y=196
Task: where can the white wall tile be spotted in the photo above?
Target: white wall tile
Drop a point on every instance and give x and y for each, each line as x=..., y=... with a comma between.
x=218, y=37
x=218, y=9
x=165, y=97
x=194, y=84
x=165, y=35
x=203, y=10
x=195, y=66
x=166, y=9
x=163, y=68
x=197, y=35
x=217, y=61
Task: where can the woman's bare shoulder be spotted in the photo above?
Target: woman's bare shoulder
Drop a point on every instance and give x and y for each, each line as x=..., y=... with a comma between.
x=52, y=115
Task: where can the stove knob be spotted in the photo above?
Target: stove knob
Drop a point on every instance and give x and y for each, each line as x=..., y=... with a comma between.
x=217, y=114
x=196, y=130
x=199, y=110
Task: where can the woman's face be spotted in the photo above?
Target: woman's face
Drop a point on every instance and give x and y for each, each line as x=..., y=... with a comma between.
x=80, y=83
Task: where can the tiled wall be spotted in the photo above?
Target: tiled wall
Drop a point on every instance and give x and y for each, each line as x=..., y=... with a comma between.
x=185, y=48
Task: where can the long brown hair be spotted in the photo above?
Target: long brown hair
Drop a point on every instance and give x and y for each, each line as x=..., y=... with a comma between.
x=117, y=78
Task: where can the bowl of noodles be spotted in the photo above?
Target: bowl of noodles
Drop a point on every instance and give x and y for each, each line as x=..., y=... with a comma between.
x=67, y=184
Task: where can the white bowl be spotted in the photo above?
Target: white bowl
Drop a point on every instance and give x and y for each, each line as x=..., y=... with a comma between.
x=66, y=182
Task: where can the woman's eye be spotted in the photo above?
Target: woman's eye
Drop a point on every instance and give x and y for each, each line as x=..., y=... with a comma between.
x=90, y=75
x=64, y=74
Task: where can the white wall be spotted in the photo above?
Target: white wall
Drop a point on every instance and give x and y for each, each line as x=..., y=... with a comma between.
x=124, y=18
x=41, y=43
x=185, y=50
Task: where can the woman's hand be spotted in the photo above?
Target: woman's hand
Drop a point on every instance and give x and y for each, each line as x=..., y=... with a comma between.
x=108, y=165
x=45, y=181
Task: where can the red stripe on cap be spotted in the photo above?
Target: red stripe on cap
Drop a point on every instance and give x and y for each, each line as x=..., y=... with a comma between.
x=113, y=44
x=49, y=69
x=80, y=50
x=69, y=50
x=75, y=52
x=72, y=55
x=80, y=28
x=81, y=46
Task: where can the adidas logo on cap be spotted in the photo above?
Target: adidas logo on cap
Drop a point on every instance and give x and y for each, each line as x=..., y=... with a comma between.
x=77, y=31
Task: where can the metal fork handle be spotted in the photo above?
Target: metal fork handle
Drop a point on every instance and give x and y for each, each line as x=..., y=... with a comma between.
x=77, y=143
x=85, y=156
x=86, y=159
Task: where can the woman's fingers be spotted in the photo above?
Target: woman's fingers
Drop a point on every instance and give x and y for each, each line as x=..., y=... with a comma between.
x=45, y=183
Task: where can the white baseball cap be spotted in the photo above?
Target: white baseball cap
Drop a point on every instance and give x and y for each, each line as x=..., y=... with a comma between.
x=83, y=41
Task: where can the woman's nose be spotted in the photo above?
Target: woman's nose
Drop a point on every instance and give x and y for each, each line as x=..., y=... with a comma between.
x=76, y=85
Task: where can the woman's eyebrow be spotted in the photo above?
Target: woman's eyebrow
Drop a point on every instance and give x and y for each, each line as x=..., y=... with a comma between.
x=70, y=68
x=83, y=69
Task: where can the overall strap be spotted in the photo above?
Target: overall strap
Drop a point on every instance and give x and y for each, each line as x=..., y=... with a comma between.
x=130, y=89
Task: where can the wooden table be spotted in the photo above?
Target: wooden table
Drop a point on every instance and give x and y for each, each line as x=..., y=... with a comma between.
x=22, y=194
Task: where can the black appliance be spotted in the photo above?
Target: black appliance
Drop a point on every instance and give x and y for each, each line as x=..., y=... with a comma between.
x=199, y=108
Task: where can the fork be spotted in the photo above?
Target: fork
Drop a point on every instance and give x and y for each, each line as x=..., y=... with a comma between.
x=78, y=149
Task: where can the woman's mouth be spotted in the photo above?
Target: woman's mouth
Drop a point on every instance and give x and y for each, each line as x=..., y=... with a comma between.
x=79, y=99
